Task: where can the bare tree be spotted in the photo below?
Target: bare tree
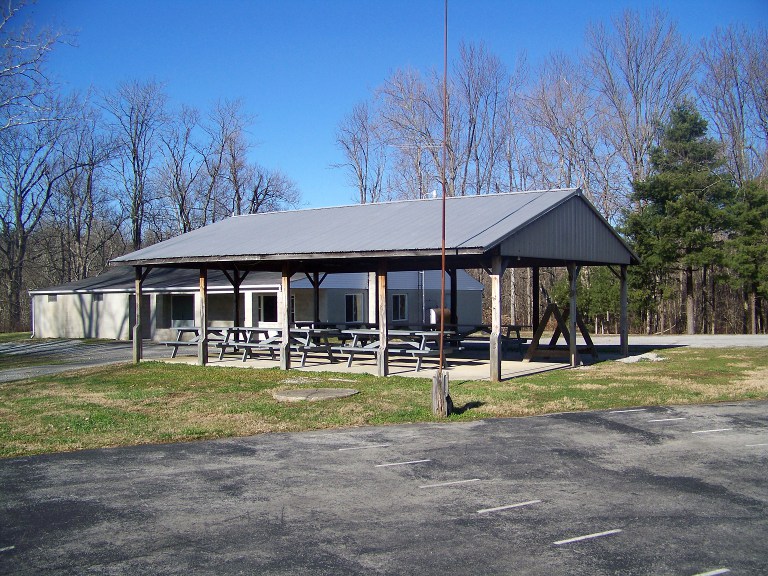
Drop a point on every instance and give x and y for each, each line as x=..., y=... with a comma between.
x=480, y=86
x=727, y=98
x=411, y=121
x=137, y=110
x=181, y=170
x=358, y=137
x=641, y=69
x=24, y=85
x=270, y=191
x=83, y=213
x=30, y=167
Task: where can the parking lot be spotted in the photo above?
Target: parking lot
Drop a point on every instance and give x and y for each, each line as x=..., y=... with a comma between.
x=678, y=490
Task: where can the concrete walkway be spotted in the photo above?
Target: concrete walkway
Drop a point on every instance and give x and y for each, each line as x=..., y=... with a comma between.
x=62, y=355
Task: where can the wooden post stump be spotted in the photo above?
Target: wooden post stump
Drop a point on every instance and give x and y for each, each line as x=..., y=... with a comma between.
x=441, y=401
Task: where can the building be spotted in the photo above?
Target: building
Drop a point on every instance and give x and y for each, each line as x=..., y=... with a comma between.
x=104, y=306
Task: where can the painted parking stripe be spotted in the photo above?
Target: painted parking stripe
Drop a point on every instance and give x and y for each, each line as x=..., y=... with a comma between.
x=450, y=483
x=666, y=419
x=713, y=572
x=7, y=548
x=715, y=430
x=586, y=537
x=364, y=447
x=630, y=410
x=508, y=506
x=402, y=463
x=754, y=445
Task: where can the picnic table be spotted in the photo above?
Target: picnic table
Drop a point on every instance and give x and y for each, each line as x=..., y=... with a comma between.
x=305, y=340
x=250, y=335
x=414, y=343
x=482, y=333
x=194, y=341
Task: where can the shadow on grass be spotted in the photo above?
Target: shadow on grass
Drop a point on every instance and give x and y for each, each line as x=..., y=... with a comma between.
x=467, y=406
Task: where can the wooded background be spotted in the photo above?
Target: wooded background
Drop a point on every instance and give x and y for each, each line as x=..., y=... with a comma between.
x=667, y=138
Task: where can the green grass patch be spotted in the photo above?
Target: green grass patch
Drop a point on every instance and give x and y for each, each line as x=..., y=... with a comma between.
x=162, y=402
x=6, y=337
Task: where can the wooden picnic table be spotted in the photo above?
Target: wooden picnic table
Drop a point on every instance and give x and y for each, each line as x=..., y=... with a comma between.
x=482, y=333
x=249, y=334
x=194, y=341
x=304, y=340
x=414, y=343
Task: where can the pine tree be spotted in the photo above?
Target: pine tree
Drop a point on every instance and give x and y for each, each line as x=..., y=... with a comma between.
x=681, y=219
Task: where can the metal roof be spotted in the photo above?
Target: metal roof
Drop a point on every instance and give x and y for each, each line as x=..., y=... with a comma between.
x=475, y=225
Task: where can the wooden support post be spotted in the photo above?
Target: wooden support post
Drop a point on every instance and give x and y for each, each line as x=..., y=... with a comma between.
x=202, y=344
x=624, y=318
x=535, y=291
x=497, y=271
x=381, y=289
x=454, y=318
x=573, y=274
x=284, y=318
x=137, y=344
x=316, y=297
x=373, y=301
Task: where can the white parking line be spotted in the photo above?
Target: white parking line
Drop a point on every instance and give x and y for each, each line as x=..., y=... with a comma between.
x=630, y=410
x=450, y=483
x=402, y=463
x=666, y=419
x=713, y=572
x=715, y=430
x=754, y=445
x=7, y=548
x=507, y=507
x=586, y=537
x=364, y=447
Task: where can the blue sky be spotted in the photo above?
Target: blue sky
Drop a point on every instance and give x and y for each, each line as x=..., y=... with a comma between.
x=300, y=66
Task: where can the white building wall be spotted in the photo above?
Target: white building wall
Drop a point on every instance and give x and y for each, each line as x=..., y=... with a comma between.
x=82, y=316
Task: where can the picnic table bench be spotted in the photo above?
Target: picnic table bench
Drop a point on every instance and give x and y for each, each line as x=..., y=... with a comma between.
x=482, y=333
x=194, y=341
x=413, y=343
x=301, y=339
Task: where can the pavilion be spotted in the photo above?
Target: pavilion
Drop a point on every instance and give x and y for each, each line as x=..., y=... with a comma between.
x=556, y=228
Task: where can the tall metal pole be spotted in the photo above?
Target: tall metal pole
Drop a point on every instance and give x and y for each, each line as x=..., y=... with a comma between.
x=440, y=383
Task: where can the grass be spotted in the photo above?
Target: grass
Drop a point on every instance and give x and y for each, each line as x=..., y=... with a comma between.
x=6, y=337
x=159, y=402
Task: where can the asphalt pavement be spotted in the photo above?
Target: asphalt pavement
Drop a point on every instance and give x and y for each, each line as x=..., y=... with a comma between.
x=661, y=490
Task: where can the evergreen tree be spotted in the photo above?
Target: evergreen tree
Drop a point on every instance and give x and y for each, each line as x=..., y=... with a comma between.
x=747, y=247
x=681, y=218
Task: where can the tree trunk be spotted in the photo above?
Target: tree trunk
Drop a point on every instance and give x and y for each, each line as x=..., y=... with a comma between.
x=690, y=308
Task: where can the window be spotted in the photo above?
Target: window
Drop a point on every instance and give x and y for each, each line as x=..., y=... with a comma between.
x=182, y=310
x=98, y=297
x=354, y=308
x=267, y=308
x=52, y=298
x=292, y=312
x=399, y=307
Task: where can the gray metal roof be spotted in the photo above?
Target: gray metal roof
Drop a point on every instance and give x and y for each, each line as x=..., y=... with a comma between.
x=475, y=225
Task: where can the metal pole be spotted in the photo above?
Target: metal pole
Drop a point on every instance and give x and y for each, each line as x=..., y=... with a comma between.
x=440, y=383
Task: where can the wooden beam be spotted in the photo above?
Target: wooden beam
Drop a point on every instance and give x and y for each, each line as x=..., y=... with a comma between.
x=573, y=274
x=535, y=292
x=138, y=350
x=373, y=300
x=497, y=271
x=624, y=318
x=284, y=317
x=202, y=344
x=454, y=319
x=381, y=289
